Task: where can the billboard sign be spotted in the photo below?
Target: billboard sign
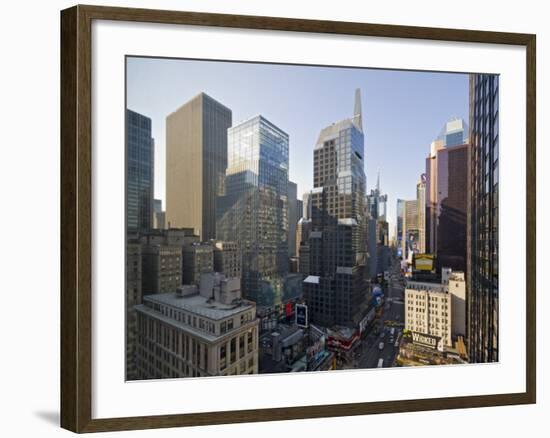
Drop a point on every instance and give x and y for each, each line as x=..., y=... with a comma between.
x=301, y=315
x=424, y=340
x=413, y=239
x=423, y=262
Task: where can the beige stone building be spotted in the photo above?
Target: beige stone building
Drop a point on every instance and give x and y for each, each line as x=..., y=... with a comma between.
x=196, y=160
x=437, y=309
x=428, y=310
x=197, y=332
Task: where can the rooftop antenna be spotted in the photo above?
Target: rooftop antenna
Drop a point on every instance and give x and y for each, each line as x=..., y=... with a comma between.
x=357, y=109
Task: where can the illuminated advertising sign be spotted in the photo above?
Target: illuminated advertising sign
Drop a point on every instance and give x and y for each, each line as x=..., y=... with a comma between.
x=413, y=238
x=288, y=309
x=301, y=315
x=342, y=344
x=424, y=262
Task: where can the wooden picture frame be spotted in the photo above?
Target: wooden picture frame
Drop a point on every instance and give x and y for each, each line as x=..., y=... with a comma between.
x=76, y=217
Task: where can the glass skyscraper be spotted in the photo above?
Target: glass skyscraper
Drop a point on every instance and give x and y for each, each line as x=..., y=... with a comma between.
x=483, y=293
x=139, y=172
x=335, y=289
x=254, y=209
x=376, y=202
x=454, y=133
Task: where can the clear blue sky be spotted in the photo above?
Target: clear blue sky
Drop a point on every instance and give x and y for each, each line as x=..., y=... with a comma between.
x=403, y=111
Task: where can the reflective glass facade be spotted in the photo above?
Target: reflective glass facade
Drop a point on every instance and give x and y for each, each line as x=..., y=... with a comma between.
x=483, y=293
x=454, y=133
x=336, y=289
x=254, y=209
x=377, y=203
x=139, y=172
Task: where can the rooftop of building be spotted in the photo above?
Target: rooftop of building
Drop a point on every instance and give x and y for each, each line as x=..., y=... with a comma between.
x=314, y=279
x=200, y=95
x=434, y=282
x=426, y=285
x=333, y=131
x=200, y=305
x=198, y=246
x=260, y=119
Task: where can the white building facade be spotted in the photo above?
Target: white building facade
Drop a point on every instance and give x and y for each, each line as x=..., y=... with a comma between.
x=437, y=309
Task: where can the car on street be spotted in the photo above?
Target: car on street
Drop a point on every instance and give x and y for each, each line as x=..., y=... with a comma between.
x=381, y=346
x=380, y=363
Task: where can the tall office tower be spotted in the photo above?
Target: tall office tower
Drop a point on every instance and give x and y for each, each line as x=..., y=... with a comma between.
x=254, y=209
x=482, y=271
x=377, y=202
x=157, y=205
x=302, y=233
x=196, y=159
x=227, y=258
x=382, y=233
x=306, y=202
x=446, y=198
x=293, y=217
x=372, y=245
x=410, y=228
x=133, y=297
x=336, y=288
x=421, y=206
x=140, y=168
x=159, y=218
x=198, y=259
x=303, y=229
x=400, y=209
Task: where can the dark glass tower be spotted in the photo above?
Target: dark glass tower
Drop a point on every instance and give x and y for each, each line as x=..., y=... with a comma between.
x=335, y=289
x=140, y=173
x=482, y=270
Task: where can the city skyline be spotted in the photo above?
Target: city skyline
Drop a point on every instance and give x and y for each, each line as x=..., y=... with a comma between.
x=232, y=281
x=422, y=102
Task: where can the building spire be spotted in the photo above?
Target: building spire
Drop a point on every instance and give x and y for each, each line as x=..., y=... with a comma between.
x=378, y=182
x=357, y=110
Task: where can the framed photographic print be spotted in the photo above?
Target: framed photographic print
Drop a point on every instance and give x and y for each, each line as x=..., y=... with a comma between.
x=270, y=218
